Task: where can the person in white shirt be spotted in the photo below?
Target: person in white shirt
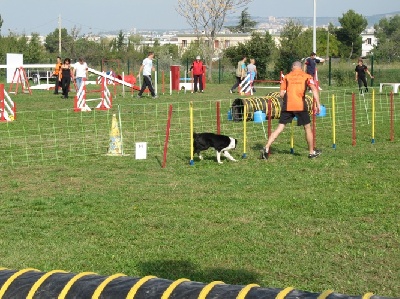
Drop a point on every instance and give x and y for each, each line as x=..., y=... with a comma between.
x=80, y=72
x=147, y=68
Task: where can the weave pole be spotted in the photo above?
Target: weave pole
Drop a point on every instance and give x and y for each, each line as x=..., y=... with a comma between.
x=192, y=80
x=163, y=81
x=120, y=129
x=353, y=117
x=333, y=122
x=391, y=117
x=244, y=156
x=191, y=162
x=292, y=138
x=170, y=82
x=167, y=136
x=314, y=121
x=218, y=117
x=269, y=120
x=373, y=117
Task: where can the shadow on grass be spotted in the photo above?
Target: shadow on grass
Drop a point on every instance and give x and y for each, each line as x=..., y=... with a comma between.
x=176, y=269
x=257, y=148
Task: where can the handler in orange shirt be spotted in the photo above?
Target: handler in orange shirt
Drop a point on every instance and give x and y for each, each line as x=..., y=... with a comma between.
x=57, y=73
x=293, y=91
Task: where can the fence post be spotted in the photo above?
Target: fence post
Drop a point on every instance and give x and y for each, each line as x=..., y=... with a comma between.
x=219, y=71
x=330, y=71
x=372, y=70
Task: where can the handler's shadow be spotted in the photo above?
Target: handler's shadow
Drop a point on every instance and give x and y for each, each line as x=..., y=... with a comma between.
x=257, y=148
x=176, y=269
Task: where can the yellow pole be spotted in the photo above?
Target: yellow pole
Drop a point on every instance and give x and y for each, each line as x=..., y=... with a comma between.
x=333, y=122
x=244, y=131
x=373, y=116
x=291, y=138
x=191, y=134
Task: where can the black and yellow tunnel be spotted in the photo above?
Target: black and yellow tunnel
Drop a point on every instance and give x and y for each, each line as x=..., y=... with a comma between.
x=34, y=284
x=254, y=104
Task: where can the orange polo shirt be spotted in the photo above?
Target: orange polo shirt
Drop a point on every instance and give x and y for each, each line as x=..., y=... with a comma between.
x=57, y=69
x=295, y=83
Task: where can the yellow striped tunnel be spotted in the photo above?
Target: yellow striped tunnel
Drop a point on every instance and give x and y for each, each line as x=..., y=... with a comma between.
x=261, y=104
x=34, y=284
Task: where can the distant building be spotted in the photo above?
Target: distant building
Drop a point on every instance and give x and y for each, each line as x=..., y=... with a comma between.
x=369, y=41
x=222, y=40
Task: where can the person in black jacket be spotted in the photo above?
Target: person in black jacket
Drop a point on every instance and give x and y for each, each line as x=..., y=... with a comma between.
x=361, y=71
x=66, y=75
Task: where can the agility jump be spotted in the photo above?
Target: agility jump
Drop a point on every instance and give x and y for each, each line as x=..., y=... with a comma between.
x=7, y=106
x=80, y=98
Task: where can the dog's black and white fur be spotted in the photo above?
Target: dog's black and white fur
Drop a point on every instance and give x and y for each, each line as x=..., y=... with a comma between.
x=221, y=144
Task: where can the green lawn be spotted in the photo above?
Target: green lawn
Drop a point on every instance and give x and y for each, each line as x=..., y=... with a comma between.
x=328, y=223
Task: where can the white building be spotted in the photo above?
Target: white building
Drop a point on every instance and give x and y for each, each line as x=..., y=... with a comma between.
x=369, y=41
x=222, y=40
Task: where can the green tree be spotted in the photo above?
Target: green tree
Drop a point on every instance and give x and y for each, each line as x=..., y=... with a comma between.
x=165, y=56
x=91, y=51
x=246, y=24
x=34, y=52
x=387, y=32
x=1, y=24
x=349, y=35
x=260, y=47
x=120, y=41
x=292, y=47
x=190, y=53
x=52, y=40
x=207, y=17
x=322, y=42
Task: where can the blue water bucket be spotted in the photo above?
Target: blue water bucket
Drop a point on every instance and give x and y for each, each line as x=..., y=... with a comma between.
x=230, y=115
x=322, y=111
x=259, y=116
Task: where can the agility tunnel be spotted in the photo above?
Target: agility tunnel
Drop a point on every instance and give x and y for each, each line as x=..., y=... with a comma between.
x=254, y=104
x=34, y=284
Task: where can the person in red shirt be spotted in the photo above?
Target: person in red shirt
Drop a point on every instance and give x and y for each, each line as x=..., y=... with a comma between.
x=198, y=71
x=293, y=91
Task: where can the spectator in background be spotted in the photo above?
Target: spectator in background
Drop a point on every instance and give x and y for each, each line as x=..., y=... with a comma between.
x=240, y=73
x=80, y=72
x=361, y=71
x=147, y=68
x=56, y=73
x=310, y=67
x=198, y=70
x=66, y=74
x=310, y=64
x=252, y=71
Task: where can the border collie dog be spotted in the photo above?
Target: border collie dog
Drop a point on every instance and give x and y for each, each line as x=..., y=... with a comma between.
x=221, y=144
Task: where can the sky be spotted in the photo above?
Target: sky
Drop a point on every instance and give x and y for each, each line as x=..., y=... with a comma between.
x=41, y=16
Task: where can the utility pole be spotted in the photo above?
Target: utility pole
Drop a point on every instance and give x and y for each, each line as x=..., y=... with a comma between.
x=315, y=28
x=59, y=35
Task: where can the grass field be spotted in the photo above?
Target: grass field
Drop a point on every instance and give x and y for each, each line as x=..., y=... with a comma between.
x=328, y=223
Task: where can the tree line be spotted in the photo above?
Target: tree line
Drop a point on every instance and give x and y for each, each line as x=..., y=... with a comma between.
x=294, y=43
